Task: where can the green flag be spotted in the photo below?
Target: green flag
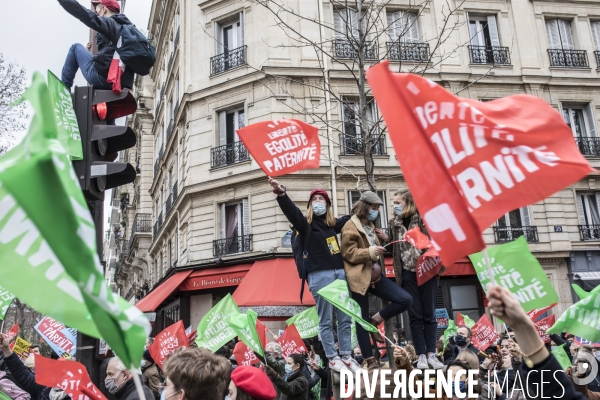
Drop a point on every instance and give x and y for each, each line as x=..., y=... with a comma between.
x=244, y=326
x=561, y=356
x=353, y=337
x=516, y=269
x=48, y=236
x=337, y=294
x=450, y=331
x=307, y=323
x=66, y=120
x=469, y=323
x=582, y=318
x=4, y=396
x=213, y=331
x=579, y=291
x=5, y=299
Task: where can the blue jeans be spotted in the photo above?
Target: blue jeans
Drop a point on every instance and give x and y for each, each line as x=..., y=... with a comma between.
x=317, y=280
x=423, y=325
x=79, y=57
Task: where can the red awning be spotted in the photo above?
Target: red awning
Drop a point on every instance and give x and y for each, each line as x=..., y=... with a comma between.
x=158, y=295
x=216, y=277
x=461, y=267
x=272, y=283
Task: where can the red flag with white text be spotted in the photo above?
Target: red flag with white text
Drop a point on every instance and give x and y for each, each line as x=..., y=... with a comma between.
x=417, y=238
x=13, y=332
x=428, y=266
x=535, y=314
x=291, y=342
x=543, y=325
x=470, y=162
x=70, y=376
x=484, y=334
x=460, y=321
x=167, y=342
x=244, y=355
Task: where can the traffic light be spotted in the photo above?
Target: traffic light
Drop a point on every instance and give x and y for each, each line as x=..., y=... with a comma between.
x=101, y=142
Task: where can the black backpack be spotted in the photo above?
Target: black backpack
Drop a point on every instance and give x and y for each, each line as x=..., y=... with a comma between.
x=300, y=251
x=136, y=51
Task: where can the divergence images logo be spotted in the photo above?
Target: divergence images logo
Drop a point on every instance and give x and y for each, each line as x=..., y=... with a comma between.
x=583, y=367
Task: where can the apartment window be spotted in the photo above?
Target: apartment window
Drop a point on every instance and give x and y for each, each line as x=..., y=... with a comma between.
x=580, y=119
x=346, y=25
x=403, y=30
x=354, y=196
x=230, y=150
x=515, y=224
x=484, y=45
x=161, y=265
x=561, y=47
x=235, y=227
x=589, y=215
x=352, y=141
x=169, y=255
x=596, y=36
x=230, y=50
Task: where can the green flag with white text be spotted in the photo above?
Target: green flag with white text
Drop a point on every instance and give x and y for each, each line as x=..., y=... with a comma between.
x=244, y=325
x=213, y=331
x=469, y=323
x=561, y=356
x=582, y=318
x=6, y=298
x=337, y=294
x=307, y=323
x=66, y=121
x=516, y=269
x=48, y=236
x=449, y=332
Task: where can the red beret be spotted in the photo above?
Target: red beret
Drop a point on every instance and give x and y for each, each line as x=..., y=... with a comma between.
x=112, y=5
x=322, y=193
x=254, y=382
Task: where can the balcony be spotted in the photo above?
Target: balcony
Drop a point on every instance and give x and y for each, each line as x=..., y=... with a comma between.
x=157, y=107
x=161, y=152
x=568, y=58
x=228, y=154
x=142, y=223
x=170, y=129
x=176, y=109
x=176, y=42
x=227, y=60
x=233, y=245
x=411, y=52
x=169, y=204
x=175, y=192
x=170, y=62
x=353, y=145
x=347, y=49
x=589, y=232
x=156, y=162
x=489, y=55
x=588, y=146
x=158, y=224
x=509, y=233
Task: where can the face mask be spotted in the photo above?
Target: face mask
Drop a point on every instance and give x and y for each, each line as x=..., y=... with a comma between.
x=163, y=397
x=359, y=359
x=227, y=397
x=143, y=363
x=288, y=369
x=372, y=215
x=398, y=209
x=460, y=340
x=461, y=386
x=110, y=384
x=319, y=208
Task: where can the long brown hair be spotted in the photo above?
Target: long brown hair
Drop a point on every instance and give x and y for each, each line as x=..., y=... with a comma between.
x=329, y=218
x=410, y=208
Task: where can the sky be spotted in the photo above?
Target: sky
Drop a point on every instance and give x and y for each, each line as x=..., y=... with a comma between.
x=37, y=34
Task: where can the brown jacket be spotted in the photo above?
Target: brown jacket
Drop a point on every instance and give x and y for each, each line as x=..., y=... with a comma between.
x=408, y=367
x=358, y=255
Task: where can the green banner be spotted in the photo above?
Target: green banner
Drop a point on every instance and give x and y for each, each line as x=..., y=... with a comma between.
x=337, y=294
x=353, y=337
x=48, y=236
x=244, y=326
x=449, y=332
x=516, y=269
x=582, y=318
x=6, y=298
x=213, y=331
x=66, y=120
x=469, y=323
x=307, y=323
x=561, y=356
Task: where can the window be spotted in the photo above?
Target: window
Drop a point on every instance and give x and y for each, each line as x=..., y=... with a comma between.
x=403, y=27
x=230, y=149
x=169, y=255
x=235, y=227
x=352, y=140
x=515, y=224
x=589, y=215
x=580, y=119
x=596, y=34
x=485, y=42
x=515, y=218
x=346, y=25
x=559, y=34
x=230, y=50
x=465, y=299
x=161, y=265
x=354, y=196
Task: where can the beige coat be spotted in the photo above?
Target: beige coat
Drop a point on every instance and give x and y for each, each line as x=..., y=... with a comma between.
x=358, y=255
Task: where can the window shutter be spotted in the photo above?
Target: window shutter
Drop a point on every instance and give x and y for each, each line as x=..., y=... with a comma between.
x=553, y=35
x=525, y=219
x=566, y=36
x=493, y=29
x=353, y=21
x=596, y=34
x=339, y=23
x=580, y=209
x=222, y=129
x=223, y=222
x=590, y=119
x=218, y=39
x=412, y=35
x=473, y=31
x=241, y=30
x=392, y=26
x=245, y=218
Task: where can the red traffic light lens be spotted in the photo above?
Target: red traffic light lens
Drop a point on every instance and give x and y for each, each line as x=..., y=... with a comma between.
x=101, y=111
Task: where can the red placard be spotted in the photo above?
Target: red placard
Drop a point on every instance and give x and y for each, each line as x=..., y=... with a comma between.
x=535, y=314
x=291, y=342
x=484, y=334
x=428, y=266
x=244, y=355
x=543, y=325
x=282, y=146
x=470, y=162
x=460, y=321
x=167, y=342
x=70, y=376
x=13, y=332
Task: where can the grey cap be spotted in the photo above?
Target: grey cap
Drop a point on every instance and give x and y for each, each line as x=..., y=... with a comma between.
x=370, y=197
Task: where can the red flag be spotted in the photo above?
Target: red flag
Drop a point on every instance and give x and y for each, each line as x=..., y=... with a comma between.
x=417, y=238
x=13, y=332
x=167, y=342
x=381, y=346
x=291, y=342
x=579, y=341
x=192, y=336
x=116, y=69
x=484, y=334
x=282, y=146
x=261, y=329
x=543, y=325
x=244, y=355
x=460, y=321
x=470, y=162
x=428, y=266
x=70, y=376
x=535, y=314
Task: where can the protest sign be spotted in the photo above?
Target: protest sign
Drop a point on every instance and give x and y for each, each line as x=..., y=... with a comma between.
x=6, y=298
x=21, y=347
x=58, y=337
x=243, y=355
x=72, y=377
x=519, y=271
x=561, y=356
x=428, y=266
x=104, y=347
x=538, y=312
x=66, y=120
x=13, y=332
x=213, y=331
x=441, y=318
x=291, y=342
x=483, y=159
x=582, y=318
x=282, y=146
x=337, y=294
x=167, y=341
x=484, y=334
x=307, y=323
x=543, y=325
x=244, y=325
x=581, y=342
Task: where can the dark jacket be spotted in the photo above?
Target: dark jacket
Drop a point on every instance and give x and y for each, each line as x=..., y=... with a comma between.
x=312, y=381
x=26, y=379
x=278, y=365
x=470, y=347
x=556, y=382
x=324, y=248
x=108, y=31
x=128, y=392
x=295, y=388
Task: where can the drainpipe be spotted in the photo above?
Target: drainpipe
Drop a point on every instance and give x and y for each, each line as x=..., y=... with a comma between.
x=328, y=116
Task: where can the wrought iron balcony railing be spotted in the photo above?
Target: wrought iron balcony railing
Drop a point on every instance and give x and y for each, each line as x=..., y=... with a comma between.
x=489, y=55
x=156, y=162
x=170, y=129
x=161, y=152
x=588, y=146
x=568, y=58
x=141, y=223
x=232, y=245
x=228, y=154
x=589, y=232
x=176, y=42
x=157, y=106
x=597, y=54
x=347, y=49
x=176, y=109
x=175, y=192
x=351, y=145
x=158, y=224
x=410, y=52
x=227, y=60
x=169, y=204
x=170, y=62
x=509, y=233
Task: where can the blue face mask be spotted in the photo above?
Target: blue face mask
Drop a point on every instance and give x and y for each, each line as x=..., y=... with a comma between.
x=398, y=209
x=288, y=369
x=163, y=397
x=319, y=208
x=461, y=387
x=372, y=215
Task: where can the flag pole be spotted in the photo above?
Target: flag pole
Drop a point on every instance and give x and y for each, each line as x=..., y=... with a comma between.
x=486, y=257
x=138, y=383
x=2, y=328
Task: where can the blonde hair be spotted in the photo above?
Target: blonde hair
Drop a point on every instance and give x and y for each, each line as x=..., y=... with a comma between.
x=410, y=350
x=329, y=218
x=410, y=208
x=470, y=358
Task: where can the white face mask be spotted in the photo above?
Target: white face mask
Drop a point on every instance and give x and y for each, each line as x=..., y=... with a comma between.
x=398, y=209
x=319, y=208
